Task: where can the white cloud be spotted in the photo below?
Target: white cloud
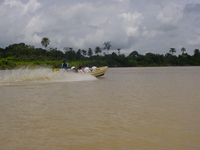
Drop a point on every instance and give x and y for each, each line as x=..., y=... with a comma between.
x=90, y=39
x=130, y=22
x=19, y=25
x=169, y=17
x=31, y=6
x=22, y=8
x=153, y=26
x=33, y=26
x=12, y=3
x=132, y=31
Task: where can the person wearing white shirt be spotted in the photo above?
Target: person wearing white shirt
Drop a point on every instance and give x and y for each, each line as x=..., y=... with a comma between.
x=87, y=69
x=94, y=68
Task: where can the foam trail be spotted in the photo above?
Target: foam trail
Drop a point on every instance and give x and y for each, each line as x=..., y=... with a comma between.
x=41, y=75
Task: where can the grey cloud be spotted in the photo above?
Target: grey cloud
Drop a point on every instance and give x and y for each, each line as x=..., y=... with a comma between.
x=146, y=26
x=192, y=8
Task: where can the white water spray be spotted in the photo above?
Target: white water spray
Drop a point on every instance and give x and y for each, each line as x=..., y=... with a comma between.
x=41, y=75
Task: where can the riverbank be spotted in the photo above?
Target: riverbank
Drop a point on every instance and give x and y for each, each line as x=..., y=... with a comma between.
x=108, y=60
x=7, y=63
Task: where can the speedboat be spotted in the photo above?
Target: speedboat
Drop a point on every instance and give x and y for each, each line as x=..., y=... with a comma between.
x=98, y=72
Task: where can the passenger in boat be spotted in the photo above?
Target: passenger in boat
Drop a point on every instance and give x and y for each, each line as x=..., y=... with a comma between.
x=80, y=69
x=74, y=69
x=93, y=68
x=64, y=65
x=86, y=69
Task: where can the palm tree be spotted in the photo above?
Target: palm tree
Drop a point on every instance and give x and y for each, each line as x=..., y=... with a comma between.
x=45, y=42
x=196, y=52
x=107, y=46
x=172, y=50
x=183, y=50
x=118, y=51
x=97, y=50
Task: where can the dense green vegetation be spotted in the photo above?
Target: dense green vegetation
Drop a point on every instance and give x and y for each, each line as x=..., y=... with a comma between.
x=22, y=55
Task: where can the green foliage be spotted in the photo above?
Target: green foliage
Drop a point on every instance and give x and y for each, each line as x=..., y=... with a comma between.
x=133, y=63
x=134, y=54
x=22, y=55
x=45, y=42
x=97, y=50
x=7, y=64
x=172, y=50
x=90, y=52
x=107, y=46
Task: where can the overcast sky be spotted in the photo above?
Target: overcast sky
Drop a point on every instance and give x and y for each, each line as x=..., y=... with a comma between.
x=143, y=25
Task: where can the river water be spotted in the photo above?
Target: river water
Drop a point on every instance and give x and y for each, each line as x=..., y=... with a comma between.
x=129, y=108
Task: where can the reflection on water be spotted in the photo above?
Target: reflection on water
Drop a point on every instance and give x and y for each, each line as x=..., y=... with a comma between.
x=129, y=108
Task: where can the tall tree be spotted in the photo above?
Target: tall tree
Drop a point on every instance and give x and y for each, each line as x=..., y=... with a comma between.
x=172, y=50
x=196, y=52
x=84, y=52
x=107, y=46
x=97, y=50
x=118, y=51
x=183, y=50
x=78, y=54
x=134, y=54
x=70, y=54
x=90, y=53
x=45, y=42
x=66, y=49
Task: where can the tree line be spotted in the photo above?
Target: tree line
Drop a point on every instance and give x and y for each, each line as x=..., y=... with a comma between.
x=27, y=54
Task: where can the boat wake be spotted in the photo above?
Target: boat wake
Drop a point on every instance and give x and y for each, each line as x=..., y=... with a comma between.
x=40, y=75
